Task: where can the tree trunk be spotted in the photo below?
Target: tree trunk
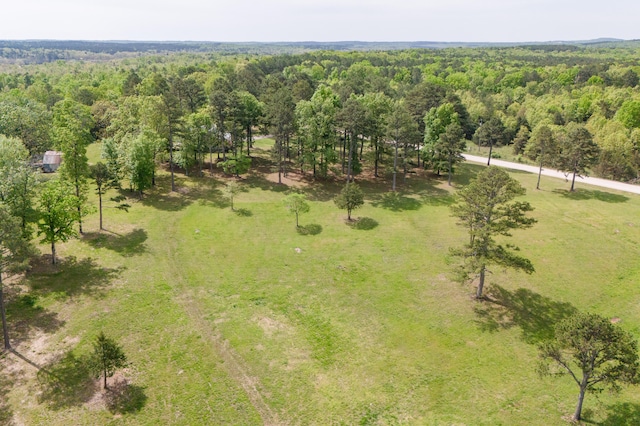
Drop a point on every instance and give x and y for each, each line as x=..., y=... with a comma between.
x=79, y=207
x=573, y=181
x=395, y=166
x=577, y=415
x=53, y=253
x=539, y=174
x=5, y=331
x=490, y=151
x=376, y=159
x=349, y=214
x=450, y=170
x=297, y=226
x=173, y=183
x=350, y=154
x=480, y=284
x=100, y=207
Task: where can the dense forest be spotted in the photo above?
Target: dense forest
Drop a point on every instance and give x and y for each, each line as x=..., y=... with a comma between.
x=571, y=107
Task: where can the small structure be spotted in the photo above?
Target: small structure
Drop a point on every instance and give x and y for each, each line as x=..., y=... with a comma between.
x=51, y=161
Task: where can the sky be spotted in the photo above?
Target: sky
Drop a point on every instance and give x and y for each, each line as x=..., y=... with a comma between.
x=320, y=20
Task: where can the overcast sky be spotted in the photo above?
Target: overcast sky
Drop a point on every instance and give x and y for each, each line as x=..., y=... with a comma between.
x=320, y=20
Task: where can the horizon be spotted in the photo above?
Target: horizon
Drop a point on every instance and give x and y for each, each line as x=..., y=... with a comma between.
x=492, y=21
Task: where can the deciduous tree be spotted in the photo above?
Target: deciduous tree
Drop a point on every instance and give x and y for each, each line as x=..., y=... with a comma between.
x=58, y=212
x=350, y=198
x=296, y=204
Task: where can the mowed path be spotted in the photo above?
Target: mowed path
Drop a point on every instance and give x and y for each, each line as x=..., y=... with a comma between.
x=603, y=183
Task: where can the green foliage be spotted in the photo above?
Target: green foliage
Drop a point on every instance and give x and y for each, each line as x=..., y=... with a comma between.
x=485, y=209
x=107, y=357
x=231, y=189
x=595, y=353
x=350, y=198
x=236, y=165
x=629, y=114
x=296, y=204
x=58, y=212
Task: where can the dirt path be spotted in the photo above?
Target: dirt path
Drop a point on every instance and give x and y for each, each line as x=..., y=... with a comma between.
x=603, y=183
x=233, y=363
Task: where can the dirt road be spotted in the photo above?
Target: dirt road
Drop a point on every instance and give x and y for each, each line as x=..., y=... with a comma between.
x=603, y=183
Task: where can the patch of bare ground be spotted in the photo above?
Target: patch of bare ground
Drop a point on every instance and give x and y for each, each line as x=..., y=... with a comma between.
x=293, y=180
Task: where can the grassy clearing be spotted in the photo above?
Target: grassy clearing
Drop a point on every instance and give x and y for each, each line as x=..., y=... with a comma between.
x=237, y=318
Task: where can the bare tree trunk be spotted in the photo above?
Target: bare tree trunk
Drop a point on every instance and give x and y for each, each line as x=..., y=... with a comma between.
x=53, y=253
x=395, y=166
x=490, y=151
x=578, y=414
x=5, y=331
x=350, y=154
x=100, y=206
x=173, y=183
x=573, y=181
x=450, y=169
x=480, y=284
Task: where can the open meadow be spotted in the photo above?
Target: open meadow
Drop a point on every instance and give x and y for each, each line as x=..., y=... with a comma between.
x=236, y=317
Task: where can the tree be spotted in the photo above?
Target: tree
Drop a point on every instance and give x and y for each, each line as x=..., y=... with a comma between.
x=58, y=213
x=72, y=132
x=402, y=130
x=297, y=204
x=350, y=198
x=15, y=252
x=484, y=208
x=232, y=189
x=542, y=147
x=107, y=357
x=436, y=122
x=451, y=144
x=280, y=119
x=104, y=181
x=17, y=181
x=595, y=353
x=578, y=151
x=489, y=134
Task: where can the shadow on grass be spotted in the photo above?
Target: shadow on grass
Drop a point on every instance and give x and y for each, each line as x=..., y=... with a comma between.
x=586, y=194
x=25, y=317
x=363, y=224
x=129, y=244
x=243, y=212
x=622, y=414
x=396, y=202
x=6, y=415
x=533, y=313
x=71, y=277
x=122, y=397
x=310, y=229
x=66, y=382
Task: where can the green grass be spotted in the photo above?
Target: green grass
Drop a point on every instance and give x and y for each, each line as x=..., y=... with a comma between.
x=225, y=322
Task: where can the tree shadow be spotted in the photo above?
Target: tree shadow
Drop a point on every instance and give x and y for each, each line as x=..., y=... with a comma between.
x=243, y=212
x=66, y=382
x=122, y=397
x=310, y=229
x=70, y=277
x=622, y=414
x=581, y=194
x=533, y=313
x=24, y=316
x=396, y=202
x=6, y=414
x=466, y=173
x=363, y=224
x=129, y=244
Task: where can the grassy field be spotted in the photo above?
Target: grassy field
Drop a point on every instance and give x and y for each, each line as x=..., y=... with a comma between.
x=238, y=318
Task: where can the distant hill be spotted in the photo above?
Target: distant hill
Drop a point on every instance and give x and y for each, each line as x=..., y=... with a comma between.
x=40, y=51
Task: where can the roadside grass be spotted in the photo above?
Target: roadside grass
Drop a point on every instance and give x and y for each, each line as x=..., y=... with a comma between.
x=233, y=318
